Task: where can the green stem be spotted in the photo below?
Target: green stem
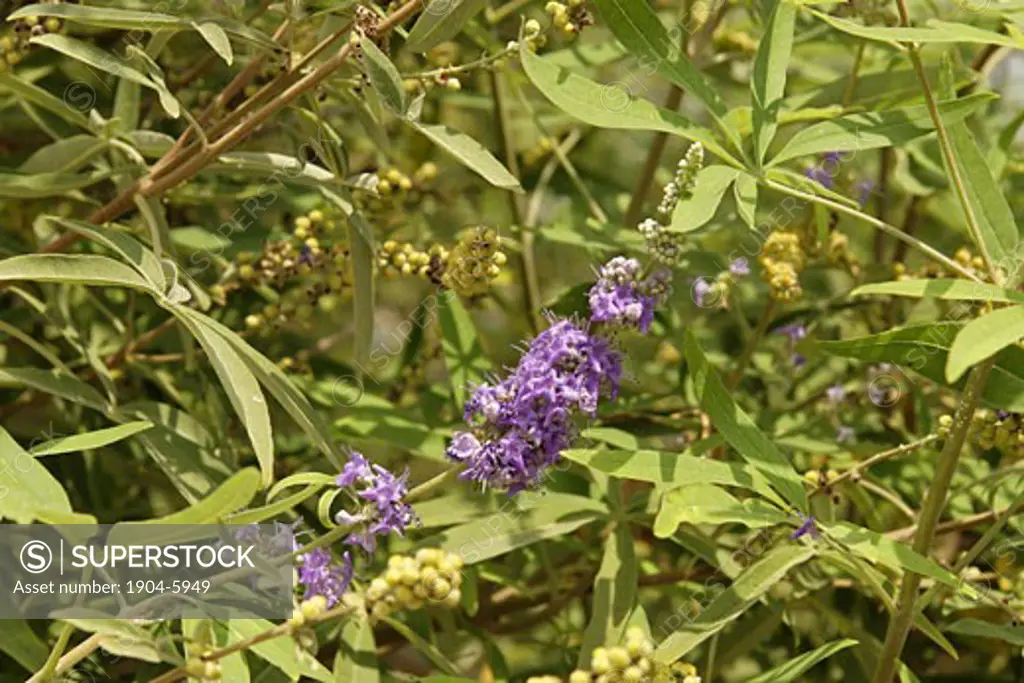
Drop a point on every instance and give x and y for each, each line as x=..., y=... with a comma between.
x=762, y=328
x=46, y=674
x=935, y=502
x=431, y=485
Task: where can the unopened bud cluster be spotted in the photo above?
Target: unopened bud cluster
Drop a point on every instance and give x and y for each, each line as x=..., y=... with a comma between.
x=571, y=17
x=396, y=259
x=397, y=189
x=311, y=263
x=664, y=246
x=203, y=670
x=629, y=663
x=432, y=576
x=992, y=429
x=14, y=42
x=839, y=254
x=931, y=270
x=474, y=261
x=782, y=260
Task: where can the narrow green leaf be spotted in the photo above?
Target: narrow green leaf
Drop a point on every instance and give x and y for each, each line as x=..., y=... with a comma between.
x=986, y=629
x=102, y=17
x=29, y=491
x=239, y=384
x=746, y=590
x=871, y=130
x=984, y=337
x=90, y=440
x=423, y=646
x=283, y=653
x=739, y=430
x=357, y=653
x=217, y=38
x=78, y=100
x=607, y=106
x=946, y=289
x=463, y=354
x=692, y=213
x=933, y=31
x=36, y=186
x=675, y=469
x=494, y=536
x=745, y=193
x=707, y=504
x=384, y=77
x=65, y=155
x=924, y=349
x=768, y=81
x=799, y=665
x=470, y=153
x=638, y=28
x=234, y=494
x=21, y=644
x=615, y=588
x=441, y=20
x=124, y=245
x=80, y=269
x=56, y=382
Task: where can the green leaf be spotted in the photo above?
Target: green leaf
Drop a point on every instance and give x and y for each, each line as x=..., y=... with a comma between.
x=675, y=469
x=946, y=289
x=984, y=337
x=39, y=185
x=21, y=644
x=65, y=155
x=693, y=212
x=800, y=664
x=102, y=17
x=746, y=590
x=283, y=653
x=234, y=494
x=384, y=77
x=985, y=197
x=924, y=349
x=56, y=382
x=423, y=646
x=986, y=629
x=217, y=38
x=470, y=153
x=871, y=130
x=90, y=440
x=707, y=504
x=124, y=245
x=441, y=20
x=638, y=28
x=745, y=193
x=496, y=535
x=90, y=55
x=615, y=588
x=357, y=653
x=606, y=107
x=28, y=492
x=35, y=95
x=739, y=430
x=463, y=354
x=933, y=31
x=768, y=81
x=895, y=555
x=240, y=384
x=80, y=269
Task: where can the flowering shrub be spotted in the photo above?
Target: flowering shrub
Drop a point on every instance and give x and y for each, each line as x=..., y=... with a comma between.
x=595, y=341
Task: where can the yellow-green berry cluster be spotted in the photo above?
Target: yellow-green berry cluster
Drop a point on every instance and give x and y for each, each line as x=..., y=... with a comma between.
x=992, y=429
x=782, y=260
x=432, y=576
x=395, y=259
x=632, y=663
x=838, y=253
x=14, y=43
x=571, y=17
x=203, y=669
x=308, y=265
x=474, y=261
x=933, y=271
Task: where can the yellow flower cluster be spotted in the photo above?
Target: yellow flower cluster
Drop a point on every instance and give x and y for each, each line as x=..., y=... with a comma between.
x=631, y=663
x=992, y=429
x=569, y=18
x=14, y=44
x=782, y=259
x=473, y=263
x=431, y=576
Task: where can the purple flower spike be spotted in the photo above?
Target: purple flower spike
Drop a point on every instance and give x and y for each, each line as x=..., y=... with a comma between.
x=740, y=267
x=387, y=513
x=318, y=575
x=809, y=526
x=794, y=331
x=620, y=298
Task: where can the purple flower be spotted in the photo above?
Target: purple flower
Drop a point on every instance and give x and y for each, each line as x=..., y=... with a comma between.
x=318, y=575
x=794, y=331
x=520, y=426
x=620, y=298
x=835, y=394
x=739, y=267
x=864, y=190
x=844, y=434
x=387, y=513
x=809, y=525
x=702, y=287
